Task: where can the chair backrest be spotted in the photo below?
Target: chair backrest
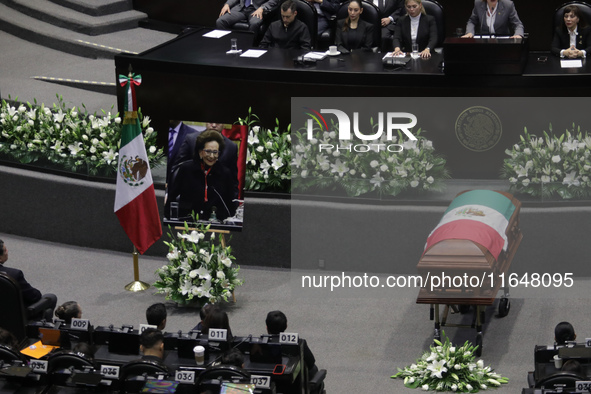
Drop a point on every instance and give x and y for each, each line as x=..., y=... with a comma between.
x=8, y=355
x=307, y=14
x=370, y=14
x=13, y=316
x=561, y=379
x=67, y=359
x=223, y=373
x=140, y=367
x=559, y=13
x=433, y=8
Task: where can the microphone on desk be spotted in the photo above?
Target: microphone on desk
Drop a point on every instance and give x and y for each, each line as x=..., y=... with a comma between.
x=302, y=60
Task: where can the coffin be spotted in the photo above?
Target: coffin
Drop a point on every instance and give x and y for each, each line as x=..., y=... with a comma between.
x=470, y=251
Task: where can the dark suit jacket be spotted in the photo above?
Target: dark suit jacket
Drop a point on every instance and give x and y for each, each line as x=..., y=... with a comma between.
x=394, y=9
x=267, y=5
x=562, y=40
x=30, y=294
x=506, y=20
x=184, y=131
x=229, y=156
x=342, y=37
x=426, y=33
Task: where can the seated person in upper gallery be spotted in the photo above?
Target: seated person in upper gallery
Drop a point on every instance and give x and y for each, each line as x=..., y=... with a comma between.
x=203, y=185
x=228, y=157
x=494, y=17
x=30, y=294
x=152, y=345
x=564, y=332
x=325, y=9
x=572, y=39
x=156, y=315
x=353, y=32
x=244, y=10
x=289, y=32
x=68, y=311
x=276, y=322
x=390, y=12
x=415, y=27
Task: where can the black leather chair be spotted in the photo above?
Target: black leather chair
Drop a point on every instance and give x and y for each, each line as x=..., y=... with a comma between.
x=307, y=14
x=9, y=355
x=562, y=379
x=212, y=378
x=559, y=13
x=14, y=315
x=316, y=382
x=268, y=17
x=62, y=364
x=370, y=14
x=135, y=374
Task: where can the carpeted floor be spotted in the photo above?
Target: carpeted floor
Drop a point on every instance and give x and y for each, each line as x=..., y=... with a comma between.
x=359, y=338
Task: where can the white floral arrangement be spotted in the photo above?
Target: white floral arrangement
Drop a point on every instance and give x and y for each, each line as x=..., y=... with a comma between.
x=68, y=138
x=449, y=368
x=268, y=157
x=415, y=167
x=550, y=166
x=198, y=269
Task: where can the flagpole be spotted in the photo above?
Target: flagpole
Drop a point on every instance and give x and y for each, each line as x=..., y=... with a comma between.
x=136, y=285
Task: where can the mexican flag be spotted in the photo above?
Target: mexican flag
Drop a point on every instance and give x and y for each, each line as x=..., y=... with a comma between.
x=481, y=216
x=135, y=199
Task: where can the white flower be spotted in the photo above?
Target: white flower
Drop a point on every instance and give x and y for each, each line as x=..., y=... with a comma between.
x=277, y=163
x=252, y=138
x=457, y=367
x=186, y=287
x=193, y=274
x=527, y=151
x=525, y=182
x=193, y=236
x=545, y=179
x=425, y=387
x=556, y=159
x=304, y=173
x=173, y=254
x=59, y=117
x=226, y=261
x=454, y=387
x=494, y=382
x=431, y=180
x=149, y=130
x=260, y=149
x=145, y=122
x=339, y=167
x=480, y=364
x=336, y=153
x=221, y=275
x=571, y=179
x=469, y=387
x=374, y=163
x=414, y=183
x=377, y=180
x=383, y=167
x=152, y=149
x=203, y=273
x=110, y=156
x=483, y=386
x=117, y=120
x=75, y=148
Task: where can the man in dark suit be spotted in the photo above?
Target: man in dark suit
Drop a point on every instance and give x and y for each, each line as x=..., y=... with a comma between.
x=289, y=32
x=325, y=9
x=228, y=157
x=30, y=294
x=244, y=10
x=494, y=17
x=176, y=136
x=390, y=11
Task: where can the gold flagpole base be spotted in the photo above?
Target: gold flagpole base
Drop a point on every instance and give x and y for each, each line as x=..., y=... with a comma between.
x=136, y=286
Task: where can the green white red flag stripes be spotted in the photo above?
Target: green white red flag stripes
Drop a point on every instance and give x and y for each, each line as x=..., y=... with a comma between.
x=481, y=216
x=135, y=198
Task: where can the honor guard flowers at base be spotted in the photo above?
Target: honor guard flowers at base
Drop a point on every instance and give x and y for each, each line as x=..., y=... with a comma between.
x=135, y=198
x=450, y=368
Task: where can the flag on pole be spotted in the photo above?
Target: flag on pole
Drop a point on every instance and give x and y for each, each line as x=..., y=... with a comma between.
x=135, y=198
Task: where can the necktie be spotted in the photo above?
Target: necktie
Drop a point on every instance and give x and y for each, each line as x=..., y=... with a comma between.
x=171, y=134
x=247, y=3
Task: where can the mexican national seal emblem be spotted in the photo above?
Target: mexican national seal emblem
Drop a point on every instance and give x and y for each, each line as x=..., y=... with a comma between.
x=133, y=170
x=478, y=129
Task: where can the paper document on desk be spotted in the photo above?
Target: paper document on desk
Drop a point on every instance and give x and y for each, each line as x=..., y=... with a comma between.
x=571, y=63
x=254, y=53
x=315, y=55
x=216, y=33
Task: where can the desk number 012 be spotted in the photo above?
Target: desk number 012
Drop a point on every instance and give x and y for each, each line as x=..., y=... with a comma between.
x=288, y=338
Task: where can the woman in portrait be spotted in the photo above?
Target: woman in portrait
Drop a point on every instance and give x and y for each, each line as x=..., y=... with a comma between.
x=203, y=185
x=494, y=17
x=572, y=39
x=415, y=27
x=353, y=32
